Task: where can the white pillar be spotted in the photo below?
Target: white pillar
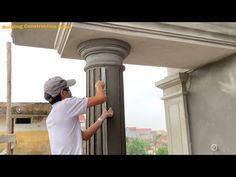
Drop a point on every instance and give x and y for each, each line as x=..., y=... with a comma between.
x=174, y=90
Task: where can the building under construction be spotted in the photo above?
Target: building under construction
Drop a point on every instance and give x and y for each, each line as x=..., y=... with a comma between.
x=29, y=127
x=199, y=91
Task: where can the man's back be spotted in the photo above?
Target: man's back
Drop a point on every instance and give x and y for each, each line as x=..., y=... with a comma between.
x=64, y=127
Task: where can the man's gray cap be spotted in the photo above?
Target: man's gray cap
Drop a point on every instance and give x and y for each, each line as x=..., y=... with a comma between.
x=54, y=85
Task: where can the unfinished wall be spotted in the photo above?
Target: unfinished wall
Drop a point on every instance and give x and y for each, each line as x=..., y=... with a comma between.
x=212, y=108
x=29, y=127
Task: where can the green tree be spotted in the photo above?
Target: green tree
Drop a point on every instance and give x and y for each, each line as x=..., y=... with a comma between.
x=136, y=147
x=162, y=151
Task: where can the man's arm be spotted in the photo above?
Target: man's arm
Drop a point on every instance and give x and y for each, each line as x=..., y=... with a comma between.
x=100, y=96
x=89, y=132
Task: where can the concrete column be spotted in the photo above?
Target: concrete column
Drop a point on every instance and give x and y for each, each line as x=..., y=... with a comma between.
x=176, y=112
x=104, y=61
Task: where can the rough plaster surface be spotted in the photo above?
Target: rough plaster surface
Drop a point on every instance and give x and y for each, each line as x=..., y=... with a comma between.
x=211, y=103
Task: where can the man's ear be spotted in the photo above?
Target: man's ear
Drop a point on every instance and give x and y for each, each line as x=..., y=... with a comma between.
x=63, y=95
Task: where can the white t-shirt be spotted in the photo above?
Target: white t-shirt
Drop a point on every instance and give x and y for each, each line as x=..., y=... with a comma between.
x=64, y=127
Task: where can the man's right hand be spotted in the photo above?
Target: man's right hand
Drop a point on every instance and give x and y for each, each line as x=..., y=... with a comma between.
x=100, y=83
x=100, y=96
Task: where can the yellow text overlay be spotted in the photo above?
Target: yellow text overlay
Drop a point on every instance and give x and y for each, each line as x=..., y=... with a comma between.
x=38, y=26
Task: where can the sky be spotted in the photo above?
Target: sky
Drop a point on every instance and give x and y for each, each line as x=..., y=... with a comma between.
x=31, y=67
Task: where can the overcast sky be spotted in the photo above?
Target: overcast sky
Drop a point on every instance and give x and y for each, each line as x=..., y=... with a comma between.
x=31, y=67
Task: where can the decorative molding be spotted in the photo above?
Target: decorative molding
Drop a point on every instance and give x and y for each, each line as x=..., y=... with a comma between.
x=103, y=52
x=61, y=37
x=103, y=45
x=172, y=32
x=177, y=94
x=172, y=80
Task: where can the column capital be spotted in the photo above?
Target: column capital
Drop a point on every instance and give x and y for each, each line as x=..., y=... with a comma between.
x=172, y=80
x=103, y=52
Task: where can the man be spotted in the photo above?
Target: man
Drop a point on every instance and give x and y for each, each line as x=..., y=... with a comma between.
x=65, y=134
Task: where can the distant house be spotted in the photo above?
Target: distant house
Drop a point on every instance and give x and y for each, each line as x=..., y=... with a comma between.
x=29, y=127
x=143, y=133
x=27, y=116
